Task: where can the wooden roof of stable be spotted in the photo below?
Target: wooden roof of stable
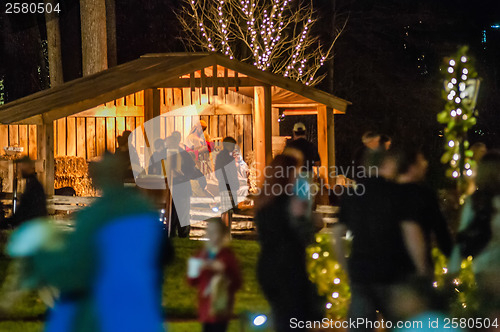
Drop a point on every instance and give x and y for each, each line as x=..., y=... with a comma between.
x=150, y=71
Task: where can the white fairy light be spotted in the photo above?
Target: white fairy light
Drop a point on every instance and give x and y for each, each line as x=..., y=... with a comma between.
x=463, y=59
x=450, y=70
x=452, y=62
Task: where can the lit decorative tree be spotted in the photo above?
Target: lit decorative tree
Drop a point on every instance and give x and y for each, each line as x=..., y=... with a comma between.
x=274, y=35
x=460, y=91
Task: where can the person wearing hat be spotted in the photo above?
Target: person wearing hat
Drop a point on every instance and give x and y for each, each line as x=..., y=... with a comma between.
x=308, y=149
x=32, y=203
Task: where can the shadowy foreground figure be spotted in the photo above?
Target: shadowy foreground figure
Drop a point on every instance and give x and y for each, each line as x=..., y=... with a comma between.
x=108, y=271
x=215, y=272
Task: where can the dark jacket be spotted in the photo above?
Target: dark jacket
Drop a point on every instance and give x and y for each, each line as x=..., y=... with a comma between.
x=32, y=203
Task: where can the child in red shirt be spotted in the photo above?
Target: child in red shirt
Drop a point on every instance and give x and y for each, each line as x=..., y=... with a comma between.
x=216, y=274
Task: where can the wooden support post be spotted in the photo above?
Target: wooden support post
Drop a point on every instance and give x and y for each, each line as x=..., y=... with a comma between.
x=330, y=128
x=45, y=144
x=152, y=108
x=326, y=142
x=214, y=80
x=262, y=118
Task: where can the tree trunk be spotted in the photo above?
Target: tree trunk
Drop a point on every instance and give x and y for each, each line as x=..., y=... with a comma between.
x=111, y=32
x=331, y=64
x=54, y=46
x=94, y=45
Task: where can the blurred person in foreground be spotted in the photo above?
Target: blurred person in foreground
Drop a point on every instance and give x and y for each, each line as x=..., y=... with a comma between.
x=215, y=272
x=285, y=230
x=108, y=271
x=387, y=246
x=479, y=234
x=421, y=201
x=32, y=203
x=371, y=142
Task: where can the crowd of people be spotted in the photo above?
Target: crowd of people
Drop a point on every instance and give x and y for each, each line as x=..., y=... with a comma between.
x=118, y=249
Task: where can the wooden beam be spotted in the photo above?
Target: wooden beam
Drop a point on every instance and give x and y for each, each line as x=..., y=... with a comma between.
x=226, y=81
x=221, y=109
x=262, y=118
x=330, y=128
x=215, y=80
x=152, y=109
x=322, y=140
x=326, y=142
x=196, y=82
x=45, y=144
x=110, y=111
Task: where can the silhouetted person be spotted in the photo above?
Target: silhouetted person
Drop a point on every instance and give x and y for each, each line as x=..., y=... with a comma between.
x=387, y=246
x=128, y=155
x=421, y=201
x=309, y=150
x=371, y=142
x=155, y=166
x=227, y=176
x=32, y=203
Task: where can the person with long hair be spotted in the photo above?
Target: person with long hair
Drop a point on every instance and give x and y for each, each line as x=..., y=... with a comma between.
x=285, y=230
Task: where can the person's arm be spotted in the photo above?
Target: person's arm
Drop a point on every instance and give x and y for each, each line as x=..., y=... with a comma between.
x=233, y=271
x=414, y=239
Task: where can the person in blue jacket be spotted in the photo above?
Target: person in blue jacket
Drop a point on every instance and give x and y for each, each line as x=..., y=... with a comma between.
x=108, y=271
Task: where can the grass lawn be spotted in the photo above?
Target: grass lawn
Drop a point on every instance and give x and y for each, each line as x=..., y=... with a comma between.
x=10, y=326
x=179, y=300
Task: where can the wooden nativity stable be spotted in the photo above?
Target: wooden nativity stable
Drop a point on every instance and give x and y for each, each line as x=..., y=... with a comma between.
x=83, y=117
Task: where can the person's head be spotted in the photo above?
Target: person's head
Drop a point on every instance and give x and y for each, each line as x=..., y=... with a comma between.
x=176, y=137
x=203, y=125
x=299, y=130
x=159, y=144
x=376, y=163
x=26, y=166
x=278, y=176
x=217, y=232
x=228, y=144
x=385, y=142
x=411, y=164
x=479, y=150
x=371, y=140
x=488, y=176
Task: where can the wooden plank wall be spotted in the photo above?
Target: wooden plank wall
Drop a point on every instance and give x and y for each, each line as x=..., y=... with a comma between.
x=88, y=137
x=19, y=135
x=238, y=126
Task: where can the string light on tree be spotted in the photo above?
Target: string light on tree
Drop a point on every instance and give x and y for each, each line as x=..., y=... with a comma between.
x=460, y=93
x=273, y=35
